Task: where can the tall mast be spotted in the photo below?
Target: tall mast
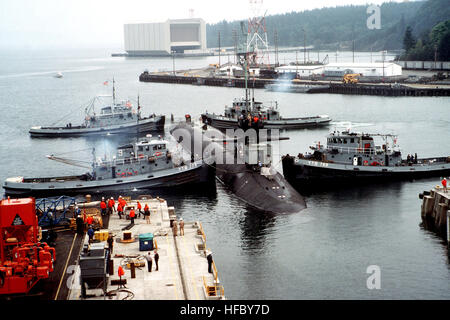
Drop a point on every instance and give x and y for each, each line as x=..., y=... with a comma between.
x=138, y=117
x=114, y=93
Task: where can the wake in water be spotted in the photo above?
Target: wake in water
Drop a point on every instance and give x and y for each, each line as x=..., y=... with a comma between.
x=53, y=72
x=348, y=125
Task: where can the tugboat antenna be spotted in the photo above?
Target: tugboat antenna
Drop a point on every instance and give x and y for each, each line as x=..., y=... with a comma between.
x=138, y=116
x=114, y=93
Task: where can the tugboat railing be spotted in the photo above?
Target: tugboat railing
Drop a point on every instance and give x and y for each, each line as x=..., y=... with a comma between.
x=353, y=150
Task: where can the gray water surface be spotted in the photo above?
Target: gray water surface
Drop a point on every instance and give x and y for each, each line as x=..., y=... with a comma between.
x=320, y=253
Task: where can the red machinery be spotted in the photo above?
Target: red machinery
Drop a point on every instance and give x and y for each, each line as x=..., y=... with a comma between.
x=23, y=259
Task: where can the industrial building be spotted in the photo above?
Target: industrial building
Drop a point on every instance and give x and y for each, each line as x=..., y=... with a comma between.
x=161, y=39
x=367, y=69
x=301, y=70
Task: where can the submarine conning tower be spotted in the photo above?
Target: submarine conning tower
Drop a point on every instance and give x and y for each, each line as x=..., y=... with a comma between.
x=250, y=176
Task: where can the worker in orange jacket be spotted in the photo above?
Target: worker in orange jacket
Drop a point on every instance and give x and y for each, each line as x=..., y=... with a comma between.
x=103, y=207
x=89, y=220
x=147, y=213
x=120, y=210
x=111, y=204
x=139, y=206
x=132, y=216
x=122, y=201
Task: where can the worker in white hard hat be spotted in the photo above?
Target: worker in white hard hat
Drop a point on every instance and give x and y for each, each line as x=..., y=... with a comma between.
x=181, y=227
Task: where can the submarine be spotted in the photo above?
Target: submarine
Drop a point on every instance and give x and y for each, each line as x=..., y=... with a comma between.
x=243, y=165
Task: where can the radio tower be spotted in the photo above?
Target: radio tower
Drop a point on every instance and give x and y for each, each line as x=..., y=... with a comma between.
x=257, y=42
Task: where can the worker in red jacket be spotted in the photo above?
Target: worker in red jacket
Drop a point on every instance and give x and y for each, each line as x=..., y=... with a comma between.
x=132, y=216
x=139, y=209
x=444, y=184
x=147, y=213
x=89, y=220
x=111, y=205
x=120, y=210
x=122, y=202
x=103, y=207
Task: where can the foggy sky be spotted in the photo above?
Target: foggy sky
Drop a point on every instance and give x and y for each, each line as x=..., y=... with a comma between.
x=98, y=23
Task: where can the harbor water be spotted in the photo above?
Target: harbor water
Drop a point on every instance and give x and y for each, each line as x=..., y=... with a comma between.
x=322, y=252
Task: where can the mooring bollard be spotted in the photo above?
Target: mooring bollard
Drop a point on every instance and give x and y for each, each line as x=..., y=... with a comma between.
x=133, y=270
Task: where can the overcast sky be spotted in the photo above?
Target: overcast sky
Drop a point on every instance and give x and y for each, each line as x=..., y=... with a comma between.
x=66, y=23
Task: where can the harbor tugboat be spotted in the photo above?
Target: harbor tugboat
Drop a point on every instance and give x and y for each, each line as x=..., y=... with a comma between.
x=146, y=164
x=352, y=157
x=115, y=118
x=269, y=114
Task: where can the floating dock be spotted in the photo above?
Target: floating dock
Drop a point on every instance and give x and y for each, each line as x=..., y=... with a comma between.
x=183, y=267
x=382, y=89
x=435, y=212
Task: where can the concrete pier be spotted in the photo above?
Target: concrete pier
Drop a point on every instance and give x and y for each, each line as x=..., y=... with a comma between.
x=337, y=87
x=435, y=212
x=183, y=267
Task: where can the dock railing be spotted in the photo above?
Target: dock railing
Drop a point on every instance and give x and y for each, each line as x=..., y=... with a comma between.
x=213, y=291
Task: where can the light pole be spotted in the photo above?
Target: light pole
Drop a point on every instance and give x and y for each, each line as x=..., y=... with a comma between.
x=173, y=61
x=304, y=45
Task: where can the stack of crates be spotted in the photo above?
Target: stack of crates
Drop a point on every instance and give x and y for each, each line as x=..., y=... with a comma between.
x=101, y=235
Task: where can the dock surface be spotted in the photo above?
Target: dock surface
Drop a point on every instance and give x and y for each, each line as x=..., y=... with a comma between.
x=183, y=267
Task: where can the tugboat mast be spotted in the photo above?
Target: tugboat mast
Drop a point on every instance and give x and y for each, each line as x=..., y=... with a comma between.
x=114, y=93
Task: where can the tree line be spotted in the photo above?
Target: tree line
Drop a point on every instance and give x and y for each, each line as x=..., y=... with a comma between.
x=342, y=27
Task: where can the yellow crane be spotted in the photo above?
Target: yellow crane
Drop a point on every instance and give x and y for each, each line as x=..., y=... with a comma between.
x=351, y=78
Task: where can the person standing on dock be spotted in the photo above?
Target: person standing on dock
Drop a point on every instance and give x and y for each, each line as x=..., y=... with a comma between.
x=90, y=233
x=132, y=216
x=103, y=207
x=181, y=227
x=110, y=242
x=120, y=210
x=147, y=213
x=444, y=184
x=156, y=259
x=175, y=228
x=139, y=206
x=122, y=201
x=111, y=204
x=149, y=261
x=210, y=260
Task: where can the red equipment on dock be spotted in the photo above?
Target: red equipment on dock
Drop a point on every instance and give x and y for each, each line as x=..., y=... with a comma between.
x=23, y=259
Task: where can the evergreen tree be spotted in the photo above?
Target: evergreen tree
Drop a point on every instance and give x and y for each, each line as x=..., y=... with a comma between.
x=408, y=40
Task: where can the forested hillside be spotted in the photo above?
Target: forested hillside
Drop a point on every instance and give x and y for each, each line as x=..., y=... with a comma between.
x=336, y=27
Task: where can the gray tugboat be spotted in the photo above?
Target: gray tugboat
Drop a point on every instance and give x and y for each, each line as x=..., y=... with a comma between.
x=115, y=118
x=241, y=108
x=354, y=157
x=146, y=164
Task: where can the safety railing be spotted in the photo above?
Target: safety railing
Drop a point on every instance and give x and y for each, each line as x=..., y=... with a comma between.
x=201, y=232
x=213, y=290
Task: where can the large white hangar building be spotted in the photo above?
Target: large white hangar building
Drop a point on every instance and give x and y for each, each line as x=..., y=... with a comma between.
x=156, y=39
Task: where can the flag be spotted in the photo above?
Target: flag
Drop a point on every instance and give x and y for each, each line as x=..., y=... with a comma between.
x=105, y=83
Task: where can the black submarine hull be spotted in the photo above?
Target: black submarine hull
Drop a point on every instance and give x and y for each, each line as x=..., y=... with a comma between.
x=267, y=193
